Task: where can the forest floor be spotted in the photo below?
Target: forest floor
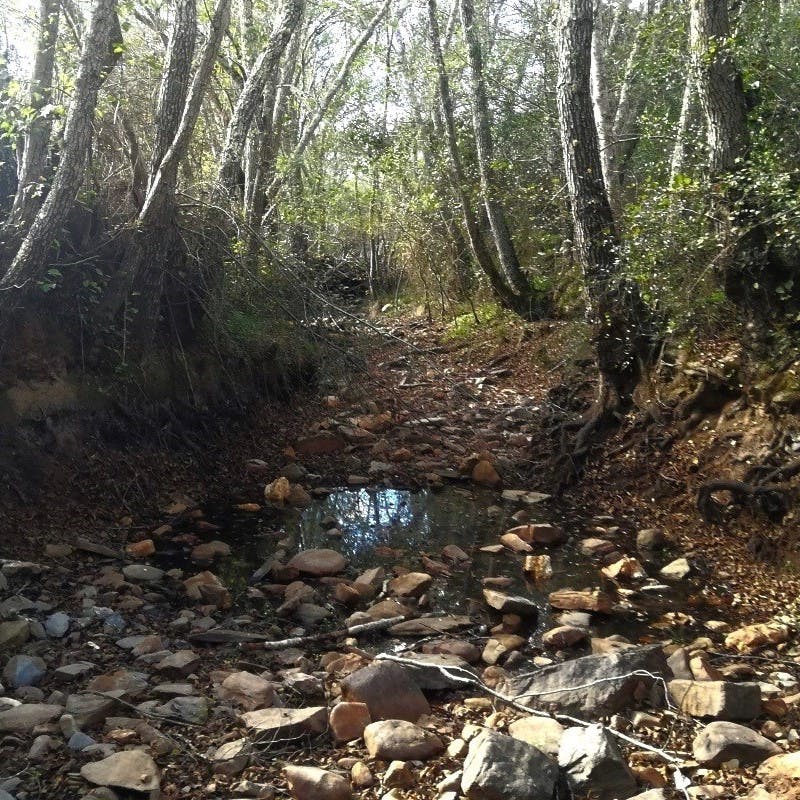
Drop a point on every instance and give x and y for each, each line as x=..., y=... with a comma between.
x=411, y=408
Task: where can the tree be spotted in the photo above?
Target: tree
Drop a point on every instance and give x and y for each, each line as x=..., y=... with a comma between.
x=615, y=307
x=100, y=52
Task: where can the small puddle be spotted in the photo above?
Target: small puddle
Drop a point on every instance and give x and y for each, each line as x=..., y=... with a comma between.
x=390, y=527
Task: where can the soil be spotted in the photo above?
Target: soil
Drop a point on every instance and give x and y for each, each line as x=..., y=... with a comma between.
x=446, y=399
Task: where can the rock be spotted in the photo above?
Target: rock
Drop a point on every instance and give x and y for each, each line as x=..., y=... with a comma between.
x=650, y=539
x=287, y=722
x=322, y=443
x=232, y=758
x=179, y=664
x=41, y=747
x=208, y=551
x=122, y=682
x=606, y=682
x=348, y=720
x=80, y=741
x=651, y=794
x=141, y=549
x=484, y=474
x=539, y=568
x=586, y=600
x=24, y=671
x=678, y=662
x=719, y=742
x=318, y=563
x=90, y=709
x=14, y=633
x=626, y=567
x=309, y=614
x=429, y=670
x=361, y=776
x=57, y=625
x=129, y=769
x=501, y=644
x=456, y=647
x=399, y=775
x=207, y=587
x=786, y=765
x=719, y=699
x=412, y=584
x=564, y=636
x=278, y=491
x=388, y=690
x=676, y=570
x=593, y=764
x=752, y=637
x=187, y=709
x=143, y=573
x=538, y=533
x=499, y=767
x=24, y=718
x=400, y=740
x=542, y=733
x=510, y=604
x=247, y=690
x=513, y=542
x=313, y=783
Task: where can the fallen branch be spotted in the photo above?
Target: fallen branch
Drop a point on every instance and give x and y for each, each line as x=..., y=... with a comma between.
x=298, y=641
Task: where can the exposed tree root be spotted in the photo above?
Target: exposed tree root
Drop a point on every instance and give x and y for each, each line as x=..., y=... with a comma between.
x=774, y=500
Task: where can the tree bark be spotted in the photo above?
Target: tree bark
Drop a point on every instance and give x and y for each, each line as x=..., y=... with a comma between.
x=678, y=158
x=31, y=175
x=615, y=306
x=97, y=59
x=265, y=71
x=504, y=244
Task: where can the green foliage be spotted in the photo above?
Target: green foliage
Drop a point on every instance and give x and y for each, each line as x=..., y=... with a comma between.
x=488, y=320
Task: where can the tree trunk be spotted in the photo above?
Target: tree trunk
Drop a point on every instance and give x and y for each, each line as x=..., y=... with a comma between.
x=721, y=93
x=678, y=158
x=31, y=175
x=265, y=71
x=485, y=153
x=615, y=306
x=97, y=59
x=502, y=290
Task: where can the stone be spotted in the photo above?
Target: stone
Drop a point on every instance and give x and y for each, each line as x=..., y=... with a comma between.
x=626, y=567
x=143, y=573
x=650, y=539
x=309, y=614
x=348, y=720
x=564, y=636
x=539, y=533
x=80, y=741
x=500, y=645
x=194, y=710
x=585, y=600
x=398, y=775
x=786, y=765
x=431, y=625
x=72, y=672
x=678, y=662
x=676, y=570
x=318, y=563
x=141, y=549
x=438, y=671
x=41, y=747
x=207, y=588
x=179, y=664
x=278, y=491
x=719, y=699
x=24, y=718
x=57, y=625
x=122, y=682
x=247, y=690
x=590, y=685
x=719, y=742
x=360, y=776
x=313, y=783
x=456, y=647
x=412, y=584
x=484, y=474
x=499, y=767
x=542, y=733
x=129, y=769
x=400, y=740
x=322, y=443
x=90, y=709
x=593, y=763
x=232, y=758
x=752, y=637
x=514, y=543
x=287, y=722
x=14, y=633
x=24, y=670
x=539, y=568
x=388, y=690
x=208, y=551
x=510, y=604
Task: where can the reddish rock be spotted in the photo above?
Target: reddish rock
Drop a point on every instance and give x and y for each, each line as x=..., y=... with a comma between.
x=388, y=691
x=141, y=549
x=412, y=584
x=564, y=636
x=208, y=551
x=348, y=720
x=515, y=543
x=207, y=587
x=539, y=533
x=318, y=562
x=399, y=740
x=313, y=783
x=322, y=443
x=484, y=474
x=247, y=690
x=586, y=600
